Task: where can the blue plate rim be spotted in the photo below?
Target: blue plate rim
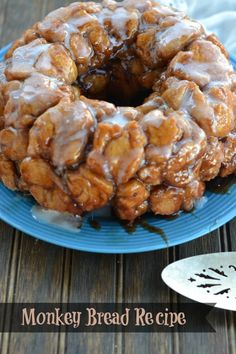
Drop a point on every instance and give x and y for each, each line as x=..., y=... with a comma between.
x=38, y=235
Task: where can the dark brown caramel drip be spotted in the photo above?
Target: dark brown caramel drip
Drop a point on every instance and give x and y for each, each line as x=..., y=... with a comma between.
x=221, y=185
x=94, y=224
x=131, y=228
x=153, y=229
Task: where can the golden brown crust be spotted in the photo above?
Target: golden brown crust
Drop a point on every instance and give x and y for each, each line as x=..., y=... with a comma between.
x=229, y=163
x=61, y=139
x=60, y=134
x=91, y=191
x=130, y=201
x=8, y=173
x=212, y=159
x=46, y=187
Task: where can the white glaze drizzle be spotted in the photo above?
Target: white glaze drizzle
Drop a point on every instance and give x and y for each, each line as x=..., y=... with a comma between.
x=64, y=221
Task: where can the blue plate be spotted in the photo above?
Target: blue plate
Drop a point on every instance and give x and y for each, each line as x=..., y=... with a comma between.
x=15, y=209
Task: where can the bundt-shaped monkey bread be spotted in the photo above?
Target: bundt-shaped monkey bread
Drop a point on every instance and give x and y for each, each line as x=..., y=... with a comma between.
x=127, y=103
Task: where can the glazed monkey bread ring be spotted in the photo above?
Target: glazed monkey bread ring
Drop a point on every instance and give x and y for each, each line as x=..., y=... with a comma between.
x=127, y=103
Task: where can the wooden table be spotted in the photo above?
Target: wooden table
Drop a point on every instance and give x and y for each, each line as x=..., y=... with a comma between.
x=34, y=271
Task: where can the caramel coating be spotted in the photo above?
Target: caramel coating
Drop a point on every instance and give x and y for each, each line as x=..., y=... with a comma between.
x=129, y=103
x=45, y=186
x=168, y=200
x=203, y=63
x=212, y=160
x=8, y=173
x=118, y=153
x=229, y=163
x=213, y=108
x=174, y=34
x=131, y=200
x=39, y=56
x=31, y=98
x=60, y=134
x=14, y=143
x=91, y=191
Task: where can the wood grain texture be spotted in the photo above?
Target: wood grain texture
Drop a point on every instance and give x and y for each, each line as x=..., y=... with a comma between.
x=36, y=268
x=207, y=342
x=39, y=278
x=93, y=279
x=142, y=283
x=34, y=271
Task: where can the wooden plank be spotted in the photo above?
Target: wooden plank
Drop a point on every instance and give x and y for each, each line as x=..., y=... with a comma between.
x=39, y=278
x=3, y=6
x=142, y=283
x=18, y=16
x=93, y=279
x=38, y=269
x=230, y=231
x=8, y=259
x=6, y=249
x=211, y=343
x=9, y=240
x=55, y=4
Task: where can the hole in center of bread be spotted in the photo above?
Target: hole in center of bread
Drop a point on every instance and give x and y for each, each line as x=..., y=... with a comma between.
x=115, y=84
